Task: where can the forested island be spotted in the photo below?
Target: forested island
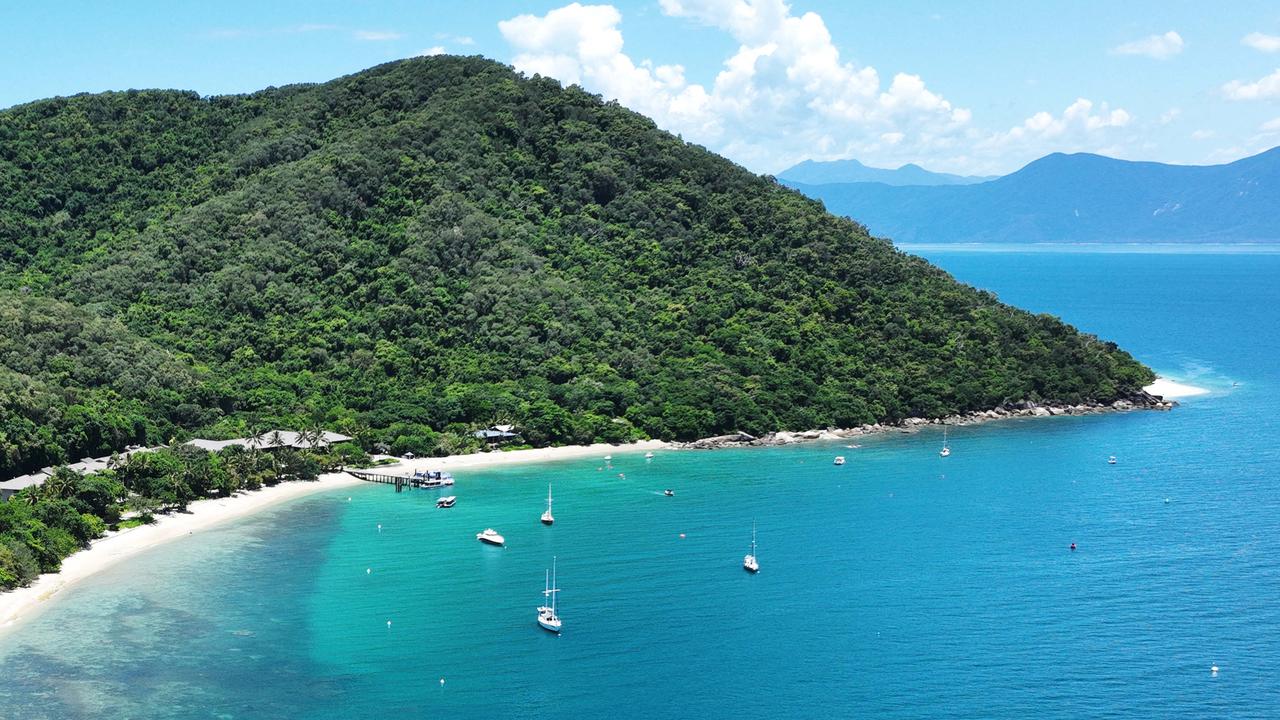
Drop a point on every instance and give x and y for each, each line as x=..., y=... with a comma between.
x=434, y=245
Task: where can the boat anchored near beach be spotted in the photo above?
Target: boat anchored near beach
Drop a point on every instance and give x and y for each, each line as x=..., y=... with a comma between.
x=491, y=537
x=945, y=451
x=447, y=501
x=749, y=563
x=547, y=518
x=547, y=617
x=839, y=460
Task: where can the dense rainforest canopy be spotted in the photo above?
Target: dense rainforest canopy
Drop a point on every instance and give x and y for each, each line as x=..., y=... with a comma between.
x=437, y=244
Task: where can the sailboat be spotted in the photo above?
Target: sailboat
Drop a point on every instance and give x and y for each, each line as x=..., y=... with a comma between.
x=749, y=562
x=547, y=519
x=945, y=450
x=547, y=617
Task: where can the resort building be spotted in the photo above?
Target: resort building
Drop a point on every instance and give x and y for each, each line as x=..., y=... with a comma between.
x=89, y=466
x=495, y=434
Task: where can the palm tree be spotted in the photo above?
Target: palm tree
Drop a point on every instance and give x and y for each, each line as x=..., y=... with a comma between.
x=277, y=443
x=61, y=484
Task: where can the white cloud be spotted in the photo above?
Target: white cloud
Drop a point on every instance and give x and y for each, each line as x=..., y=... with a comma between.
x=1160, y=47
x=1261, y=42
x=1270, y=126
x=1267, y=87
x=1202, y=134
x=376, y=35
x=1078, y=128
x=784, y=94
x=435, y=50
x=1170, y=115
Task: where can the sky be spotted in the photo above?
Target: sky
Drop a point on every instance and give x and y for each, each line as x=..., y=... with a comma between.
x=981, y=89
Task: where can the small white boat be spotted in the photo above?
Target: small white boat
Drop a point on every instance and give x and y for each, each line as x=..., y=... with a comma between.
x=547, y=518
x=547, y=617
x=648, y=456
x=491, y=537
x=839, y=460
x=749, y=563
x=608, y=458
x=447, y=501
x=1111, y=460
x=945, y=451
x=669, y=493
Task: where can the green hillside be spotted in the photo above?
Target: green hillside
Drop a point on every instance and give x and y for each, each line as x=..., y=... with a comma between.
x=437, y=244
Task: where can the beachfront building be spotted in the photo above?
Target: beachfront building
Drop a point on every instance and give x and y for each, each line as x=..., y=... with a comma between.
x=269, y=440
x=495, y=434
x=85, y=466
x=275, y=439
x=9, y=487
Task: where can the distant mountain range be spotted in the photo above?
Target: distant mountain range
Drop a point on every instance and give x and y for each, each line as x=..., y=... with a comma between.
x=1075, y=198
x=811, y=172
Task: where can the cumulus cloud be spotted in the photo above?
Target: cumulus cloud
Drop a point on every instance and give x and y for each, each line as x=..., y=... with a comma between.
x=1270, y=126
x=782, y=96
x=1079, y=127
x=785, y=94
x=1159, y=47
x=1261, y=42
x=435, y=50
x=1202, y=134
x=1265, y=88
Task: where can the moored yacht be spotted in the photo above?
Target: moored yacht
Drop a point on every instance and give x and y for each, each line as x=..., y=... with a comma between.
x=1111, y=460
x=491, y=537
x=547, y=617
x=945, y=451
x=839, y=460
x=447, y=501
x=547, y=518
x=749, y=563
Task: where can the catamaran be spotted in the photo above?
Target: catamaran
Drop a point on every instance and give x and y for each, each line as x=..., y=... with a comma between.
x=749, y=562
x=547, y=519
x=945, y=450
x=547, y=616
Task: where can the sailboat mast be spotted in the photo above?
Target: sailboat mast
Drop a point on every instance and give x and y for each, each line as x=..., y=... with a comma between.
x=548, y=497
x=554, y=589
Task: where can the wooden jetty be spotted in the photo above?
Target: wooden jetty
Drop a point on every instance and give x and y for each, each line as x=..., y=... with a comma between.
x=420, y=479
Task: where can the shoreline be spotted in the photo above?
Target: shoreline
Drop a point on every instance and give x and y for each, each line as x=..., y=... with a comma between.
x=22, y=603
x=1146, y=399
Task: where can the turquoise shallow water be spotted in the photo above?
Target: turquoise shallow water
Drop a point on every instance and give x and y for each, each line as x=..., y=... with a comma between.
x=900, y=585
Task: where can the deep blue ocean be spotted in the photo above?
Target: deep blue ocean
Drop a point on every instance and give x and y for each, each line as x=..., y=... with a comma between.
x=900, y=585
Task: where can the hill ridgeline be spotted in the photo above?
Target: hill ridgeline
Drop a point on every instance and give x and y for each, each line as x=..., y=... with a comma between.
x=437, y=244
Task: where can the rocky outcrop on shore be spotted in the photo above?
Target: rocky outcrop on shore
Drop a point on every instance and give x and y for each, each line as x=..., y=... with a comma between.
x=1138, y=401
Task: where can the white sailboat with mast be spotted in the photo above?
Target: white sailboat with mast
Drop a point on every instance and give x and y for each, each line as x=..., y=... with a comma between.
x=547, y=518
x=749, y=562
x=547, y=617
x=945, y=450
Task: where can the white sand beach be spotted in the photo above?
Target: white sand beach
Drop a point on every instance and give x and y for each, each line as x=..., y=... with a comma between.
x=23, y=602
x=1170, y=390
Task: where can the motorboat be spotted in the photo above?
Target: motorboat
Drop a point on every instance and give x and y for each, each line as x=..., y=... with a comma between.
x=491, y=537
x=669, y=493
x=839, y=460
x=447, y=501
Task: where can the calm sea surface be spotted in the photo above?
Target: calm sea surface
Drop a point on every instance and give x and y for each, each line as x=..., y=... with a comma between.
x=900, y=585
